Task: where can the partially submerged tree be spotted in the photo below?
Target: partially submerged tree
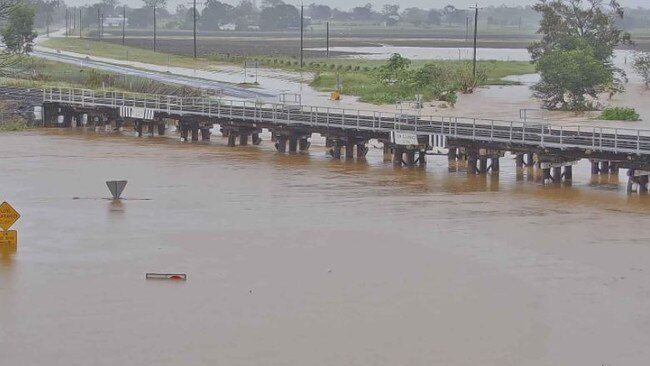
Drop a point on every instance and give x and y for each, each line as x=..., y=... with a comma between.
x=642, y=66
x=7, y=58
x=18, y=35
x=574, y=56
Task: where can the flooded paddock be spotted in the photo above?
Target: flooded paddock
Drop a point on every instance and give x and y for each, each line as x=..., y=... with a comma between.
x=302, y=260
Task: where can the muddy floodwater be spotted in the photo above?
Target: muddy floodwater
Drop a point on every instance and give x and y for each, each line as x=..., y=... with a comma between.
x=301, y=260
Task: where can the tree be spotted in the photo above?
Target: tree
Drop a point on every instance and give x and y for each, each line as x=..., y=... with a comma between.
x=415, y=16
x=319, y=12
x=569, y=76
x=389, y=10
x=363, y=12
x=582, y=34
x=395, y=72
x=279, y=17
x=18, y=35
x=245, y=14
x=642, y=66
x=215, y=14
x=7, y=59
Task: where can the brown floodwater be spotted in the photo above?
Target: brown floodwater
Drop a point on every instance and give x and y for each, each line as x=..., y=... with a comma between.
x=301, y=260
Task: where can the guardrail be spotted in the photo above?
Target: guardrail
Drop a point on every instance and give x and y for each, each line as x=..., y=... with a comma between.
x=602, y=139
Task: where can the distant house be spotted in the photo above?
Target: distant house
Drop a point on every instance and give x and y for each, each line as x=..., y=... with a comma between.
x=228, y=27
x=391, y=21
x=115, y=22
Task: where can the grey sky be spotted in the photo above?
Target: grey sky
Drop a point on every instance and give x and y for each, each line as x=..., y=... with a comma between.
x=347, y=4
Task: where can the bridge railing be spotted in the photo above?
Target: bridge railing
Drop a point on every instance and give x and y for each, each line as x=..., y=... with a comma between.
x=617, y=140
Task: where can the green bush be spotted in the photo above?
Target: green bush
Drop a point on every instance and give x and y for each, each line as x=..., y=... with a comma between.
x=620, y=114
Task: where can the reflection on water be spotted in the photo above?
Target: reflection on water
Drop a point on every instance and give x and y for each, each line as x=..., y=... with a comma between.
x=298, y=259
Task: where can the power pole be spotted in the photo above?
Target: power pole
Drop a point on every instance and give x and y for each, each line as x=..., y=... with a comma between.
x=475, y=39
x=124, y=25
x=80, y=36
x=194, y=14
x=154, y=27
x=327, y=53
x=67, y=22
x=302, y=32
x=99, y=24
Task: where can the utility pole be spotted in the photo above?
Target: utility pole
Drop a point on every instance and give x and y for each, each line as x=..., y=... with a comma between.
x=99, y=23
x=80, y=36
x=475, y=39
x=327, y=53
x=67, y=22
x=154, y=27
x=194, y=14
x=302, y=32
x=124, y=25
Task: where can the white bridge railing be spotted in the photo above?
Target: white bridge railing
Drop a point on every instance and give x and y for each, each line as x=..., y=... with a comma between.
x=596, y=139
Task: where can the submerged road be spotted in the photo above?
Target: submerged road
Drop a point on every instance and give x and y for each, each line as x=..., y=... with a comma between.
x=226, y=89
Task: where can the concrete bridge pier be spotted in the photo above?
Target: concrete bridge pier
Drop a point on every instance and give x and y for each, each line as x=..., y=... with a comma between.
x=161, y=129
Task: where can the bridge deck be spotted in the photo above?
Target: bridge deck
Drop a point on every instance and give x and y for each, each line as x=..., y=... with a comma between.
x=488, y=132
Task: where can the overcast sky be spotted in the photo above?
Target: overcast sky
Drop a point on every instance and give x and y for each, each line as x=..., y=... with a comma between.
x=347, y=4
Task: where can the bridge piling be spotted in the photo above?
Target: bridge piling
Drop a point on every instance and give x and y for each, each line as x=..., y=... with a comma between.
x=138, y=127
x=232, y=139
x=293, y=144
x=304, y=144
x=595, y=167
x=388, y=151
x=349, y=149
x=205, y=134
x=362, y=149
x=494, y=164
x=281, y=143
x=243, y=138
x=568, y=173
x=161, y=129
x=256, y=139
x=336, y=149
x=195, y=133
x=453, y=153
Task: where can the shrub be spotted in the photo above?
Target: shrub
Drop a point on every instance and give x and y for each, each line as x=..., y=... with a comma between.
x=620, y=114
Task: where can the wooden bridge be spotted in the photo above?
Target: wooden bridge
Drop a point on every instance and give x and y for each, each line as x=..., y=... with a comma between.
x=407, y=137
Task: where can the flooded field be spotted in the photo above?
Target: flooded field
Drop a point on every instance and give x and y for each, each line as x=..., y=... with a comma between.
x=301, y=260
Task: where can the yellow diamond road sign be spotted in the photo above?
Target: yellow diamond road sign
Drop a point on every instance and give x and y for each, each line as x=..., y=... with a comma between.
x=8, y=216
x=8, y=240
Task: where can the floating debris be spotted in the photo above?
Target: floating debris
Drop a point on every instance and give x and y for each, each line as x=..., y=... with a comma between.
x=166, y=276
